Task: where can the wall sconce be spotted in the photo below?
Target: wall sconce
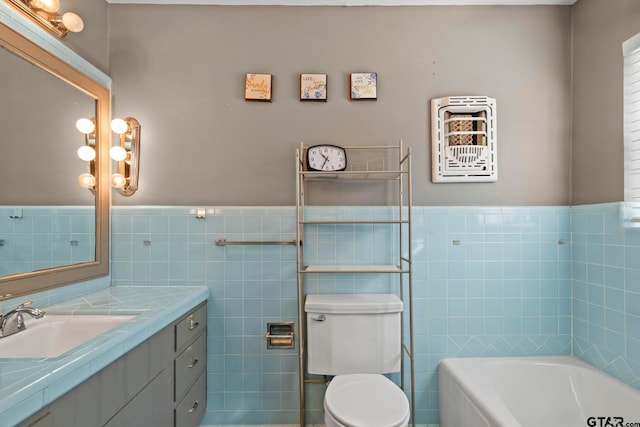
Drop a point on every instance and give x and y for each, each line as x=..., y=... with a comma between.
x=88, y=153
x=127, y=155
x=45, y=13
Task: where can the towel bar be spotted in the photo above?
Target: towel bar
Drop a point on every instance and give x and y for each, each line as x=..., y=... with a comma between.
x=224, y=242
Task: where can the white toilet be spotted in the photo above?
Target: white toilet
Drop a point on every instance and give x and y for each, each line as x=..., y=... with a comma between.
x=357, y=339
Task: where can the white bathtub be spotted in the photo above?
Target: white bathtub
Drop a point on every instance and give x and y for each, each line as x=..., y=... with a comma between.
x=549, y=391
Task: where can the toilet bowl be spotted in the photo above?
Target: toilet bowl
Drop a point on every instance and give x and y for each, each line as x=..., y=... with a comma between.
x=365, y=400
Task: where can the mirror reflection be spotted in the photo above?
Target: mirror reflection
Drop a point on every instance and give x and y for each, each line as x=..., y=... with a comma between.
x=46, y=219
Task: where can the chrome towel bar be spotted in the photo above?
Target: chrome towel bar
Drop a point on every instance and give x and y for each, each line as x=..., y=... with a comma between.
x=224, y=242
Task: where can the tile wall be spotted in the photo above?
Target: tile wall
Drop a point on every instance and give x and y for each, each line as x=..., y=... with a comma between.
x=38, y=237
x=606, y=291
x=503, y=288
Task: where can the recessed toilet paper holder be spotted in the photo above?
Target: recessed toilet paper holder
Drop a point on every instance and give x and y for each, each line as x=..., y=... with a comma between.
x=279, y=335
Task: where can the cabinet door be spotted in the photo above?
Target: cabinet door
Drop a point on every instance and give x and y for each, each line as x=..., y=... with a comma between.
x=58, y=414
x=44, y=419
x=109, y=390
x=152, y=407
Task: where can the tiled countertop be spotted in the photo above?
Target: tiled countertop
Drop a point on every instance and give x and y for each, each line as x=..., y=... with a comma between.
x=27, y=385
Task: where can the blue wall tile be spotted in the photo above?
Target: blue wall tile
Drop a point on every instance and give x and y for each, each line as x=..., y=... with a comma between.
x=605, y=264
x=502, y=289
x=45, y=237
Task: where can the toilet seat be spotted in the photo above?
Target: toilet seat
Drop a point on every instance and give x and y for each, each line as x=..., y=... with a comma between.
x=366, y=400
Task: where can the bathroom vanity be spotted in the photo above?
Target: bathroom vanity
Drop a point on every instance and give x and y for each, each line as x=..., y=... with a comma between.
x=151, y=370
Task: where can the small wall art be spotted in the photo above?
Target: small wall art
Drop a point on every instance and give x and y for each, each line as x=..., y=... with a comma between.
x=257, y=87
x=363, y=85
x=313, y=87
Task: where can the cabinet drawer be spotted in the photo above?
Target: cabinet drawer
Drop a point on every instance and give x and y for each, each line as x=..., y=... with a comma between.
x=151, y=407
x=191, y=408
x=190, y=364
x=190, y=327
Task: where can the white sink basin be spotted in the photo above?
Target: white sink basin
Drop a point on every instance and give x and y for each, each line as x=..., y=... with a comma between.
x=54, y=335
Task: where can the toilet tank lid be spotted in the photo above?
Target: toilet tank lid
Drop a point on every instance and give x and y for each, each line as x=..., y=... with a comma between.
x=353, y=304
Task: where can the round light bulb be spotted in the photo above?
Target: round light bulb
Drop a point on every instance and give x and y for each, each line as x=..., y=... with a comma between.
x=72, y=22
x=86, y=180
x=86, y=153
x=118, y=153
x=85, y=126
x=50, y=6
x=119, y=126
x=117, y=180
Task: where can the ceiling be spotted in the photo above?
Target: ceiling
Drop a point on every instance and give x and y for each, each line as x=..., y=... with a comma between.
x=354, y=2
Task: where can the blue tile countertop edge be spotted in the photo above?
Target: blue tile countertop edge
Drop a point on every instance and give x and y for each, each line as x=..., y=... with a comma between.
x=28, y=385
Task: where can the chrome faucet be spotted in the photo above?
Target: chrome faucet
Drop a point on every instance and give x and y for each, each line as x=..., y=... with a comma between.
x=13, y=321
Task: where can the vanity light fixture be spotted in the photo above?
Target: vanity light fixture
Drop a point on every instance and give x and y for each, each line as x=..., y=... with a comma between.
x=45, y=13
x=126, y=154
x=88, y=153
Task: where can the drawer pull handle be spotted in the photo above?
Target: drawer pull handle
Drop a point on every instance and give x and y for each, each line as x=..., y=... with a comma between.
x=192, y=323
x=193, y=363
x=193, y=408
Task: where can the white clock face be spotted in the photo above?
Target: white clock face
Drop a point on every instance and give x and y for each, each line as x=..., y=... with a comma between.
x=326, y=158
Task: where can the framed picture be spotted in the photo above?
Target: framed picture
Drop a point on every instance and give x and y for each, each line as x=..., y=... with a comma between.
x=257, y=87
x=363, y=85
x=313, y=87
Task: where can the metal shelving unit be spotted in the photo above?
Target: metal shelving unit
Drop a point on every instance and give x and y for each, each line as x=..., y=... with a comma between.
x=395, y=167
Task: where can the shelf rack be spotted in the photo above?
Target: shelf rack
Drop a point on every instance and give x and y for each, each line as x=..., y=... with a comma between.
x=395, y=167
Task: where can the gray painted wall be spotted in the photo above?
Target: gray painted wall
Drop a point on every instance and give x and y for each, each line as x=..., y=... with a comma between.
x=180, y=71
x=39, y=164
x=93, y=42
x=599, y=28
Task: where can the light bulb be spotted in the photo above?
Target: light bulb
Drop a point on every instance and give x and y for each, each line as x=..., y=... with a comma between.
x=117, y=180
x=119, y=126
x=50, y=6
x=72, y=22
x=85, y=126
x=86, y=180
x=86, y=153
x=118, y=153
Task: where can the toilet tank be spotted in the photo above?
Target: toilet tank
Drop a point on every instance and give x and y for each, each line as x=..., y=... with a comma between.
x=353, y=333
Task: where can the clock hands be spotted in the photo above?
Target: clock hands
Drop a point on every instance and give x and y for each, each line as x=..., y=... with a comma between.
x=326, y=159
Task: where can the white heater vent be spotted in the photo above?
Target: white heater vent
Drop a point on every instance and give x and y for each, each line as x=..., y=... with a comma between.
x=463, y=139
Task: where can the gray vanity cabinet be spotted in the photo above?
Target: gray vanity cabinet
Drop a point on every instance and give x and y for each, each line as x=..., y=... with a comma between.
x=159, y=383
x=190, y=367
x=151, y=407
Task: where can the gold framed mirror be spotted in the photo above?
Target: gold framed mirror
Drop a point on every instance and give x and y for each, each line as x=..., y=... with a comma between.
x=23, y=282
